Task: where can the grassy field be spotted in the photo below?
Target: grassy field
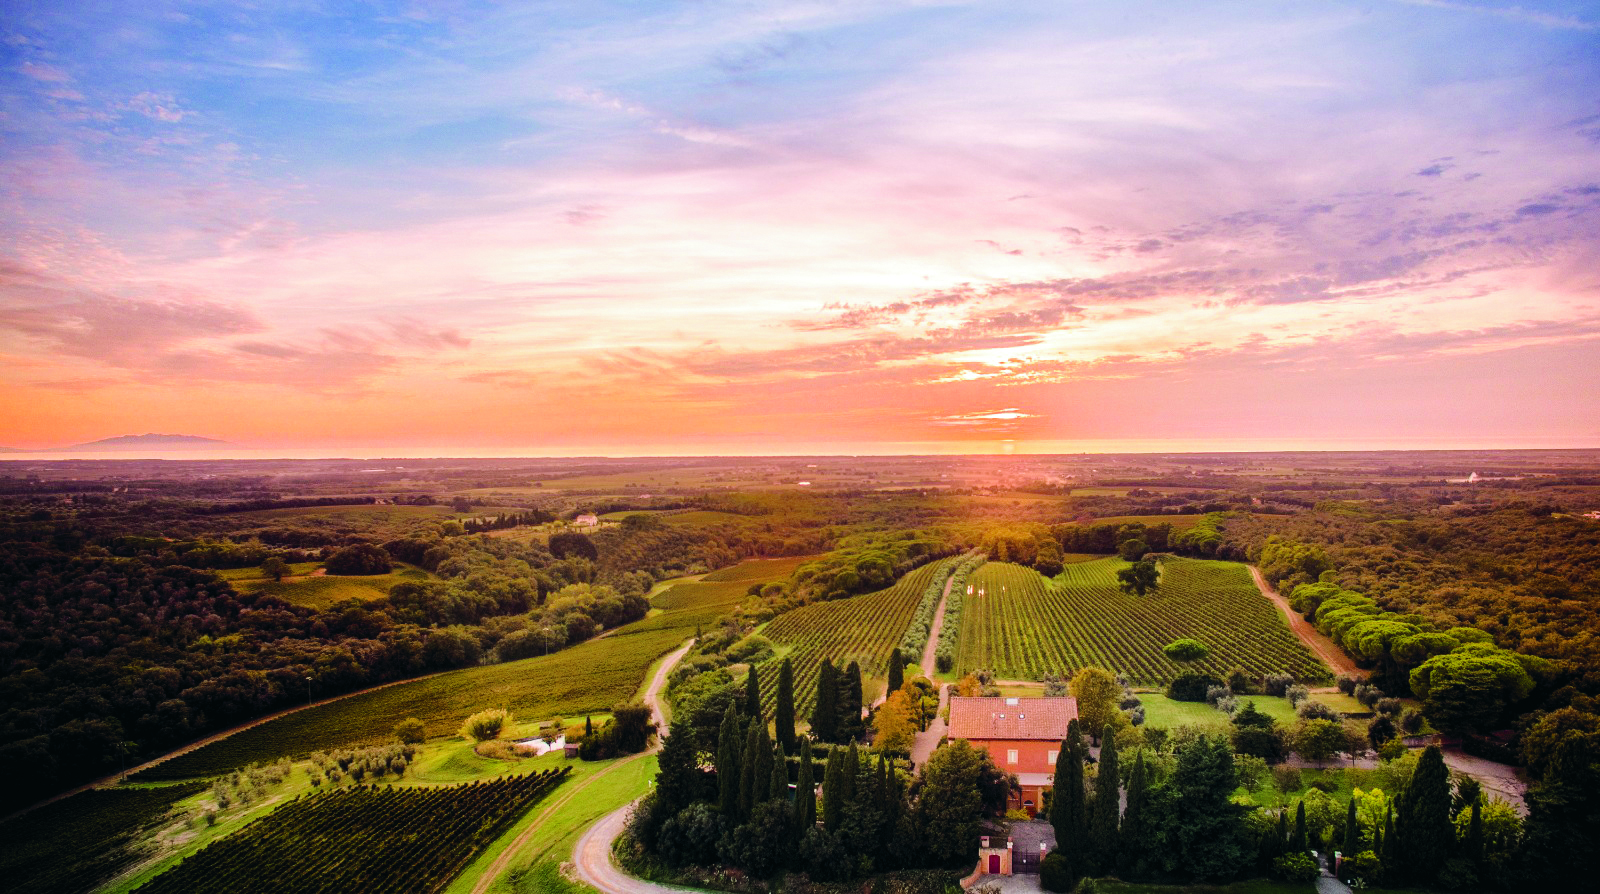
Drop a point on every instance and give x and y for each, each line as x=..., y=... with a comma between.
x=862, y=628
x=324, y=590
x=1023, y=626
x=1254, y=886
x=1178, y=522
x=1162, y=711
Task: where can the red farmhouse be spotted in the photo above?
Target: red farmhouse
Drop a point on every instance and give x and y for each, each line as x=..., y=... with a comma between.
x=1022, y=736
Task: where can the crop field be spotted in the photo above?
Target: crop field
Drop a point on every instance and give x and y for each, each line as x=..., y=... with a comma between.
x=1023, y=626
x=324, y=590
x=365, y=838
x=751, y=570
x=590, y=676
x=79, y=842
x=862, y=628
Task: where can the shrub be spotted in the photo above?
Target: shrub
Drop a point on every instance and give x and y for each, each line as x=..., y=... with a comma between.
x=1187, y=650
x=1298, y=868
x=1389, y=706
x=1215, y=694
x=1227, y=704
x=1191, y=687
x=486, y=725
x=1241, y=683
x=1287, y=779
x=1297, y=694
x=1055, y=874
x=1325, y=785
x=1365, y=866
x=1276, y=684
x=1411, y=722
x=1367, y=694
x=1347, y=684
x=1311, y=709
x=411, y=731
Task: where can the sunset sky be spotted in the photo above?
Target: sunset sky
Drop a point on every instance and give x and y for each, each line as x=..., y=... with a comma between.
x=801, y=227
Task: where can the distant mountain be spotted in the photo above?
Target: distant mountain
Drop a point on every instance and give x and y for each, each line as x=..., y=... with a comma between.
x=147, y=441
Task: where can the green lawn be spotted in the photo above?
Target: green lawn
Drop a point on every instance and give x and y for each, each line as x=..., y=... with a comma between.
x=1254, y=886
x=1162, y=711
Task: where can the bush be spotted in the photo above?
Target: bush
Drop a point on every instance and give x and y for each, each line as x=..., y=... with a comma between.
x=1276, y=684
x=1287, y=779
x=1187, y=650
x=486, y=725
x=411, y=731
x=1055, y=873
x=1365, y=866
x=1367, y=694
x=1296, y=694
x=1389, y=706
x=1411, y=722
x=1215, y=694
x=1298, y=868
x=1191, y=687
x=1315, y=710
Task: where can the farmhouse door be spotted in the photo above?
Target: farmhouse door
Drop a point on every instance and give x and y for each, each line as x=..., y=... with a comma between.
x=994, y=864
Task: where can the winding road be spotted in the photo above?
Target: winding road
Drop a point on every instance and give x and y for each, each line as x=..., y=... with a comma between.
x=652, y=697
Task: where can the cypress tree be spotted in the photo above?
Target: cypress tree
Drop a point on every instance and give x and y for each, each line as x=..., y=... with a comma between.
x=1299, y=844
x=676, y=779
x=729, y=764
x=805, y=792
x=1107, y=810
x=779, y=789
x=897, y=672
x=849, y=771
x=752, y=693
x=1474, y=842
x=763, y=771
x=588, y=726
x=880, y=796
x=832, y=791
x=1135, y=843
x=850, y=724
x=1389, y=852
x=1067, y=802
x=825, y=713
x=784, y=710
x=747, y=772
x=1352, y=831
x=1422, y=820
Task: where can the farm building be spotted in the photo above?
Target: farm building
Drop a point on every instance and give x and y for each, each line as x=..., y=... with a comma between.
x=1022, y=735
x=586, y=521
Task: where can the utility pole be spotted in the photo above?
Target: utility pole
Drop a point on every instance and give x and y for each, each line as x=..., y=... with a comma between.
x=308, y=692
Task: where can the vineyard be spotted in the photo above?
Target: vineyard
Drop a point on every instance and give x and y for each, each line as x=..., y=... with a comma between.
x=589, y=677
x=1023, y=626
x=366, y=838
x=862, y=628
x=950, y=632
x=79, y=842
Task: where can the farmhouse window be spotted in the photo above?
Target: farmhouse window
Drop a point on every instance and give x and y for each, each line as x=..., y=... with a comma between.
x=1011, y=756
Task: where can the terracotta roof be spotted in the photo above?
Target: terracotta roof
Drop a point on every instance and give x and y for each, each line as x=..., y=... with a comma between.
x=1039, y=719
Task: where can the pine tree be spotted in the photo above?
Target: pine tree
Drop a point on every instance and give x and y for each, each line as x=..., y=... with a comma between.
x=779, y=789
x=833, y=791
x=1136, y=845
x=850, y=694
x=784, y=710
x=1299, y=844
x=752, y=693
x=747, y=771
x=825, y=713
x=1352, y=831
x=1107, y=809
x=805, y=791
x=1422, y=820
x=1067, y=802
x=678, y=770
x=897, y=672
x=729, y=764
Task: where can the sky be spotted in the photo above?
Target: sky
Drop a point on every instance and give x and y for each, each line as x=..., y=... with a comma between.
x=748, y=227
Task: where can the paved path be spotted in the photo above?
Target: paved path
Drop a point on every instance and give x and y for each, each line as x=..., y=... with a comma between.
x=1499, y=780
x=613, y=822
x=1324, y=648
x=926, y=741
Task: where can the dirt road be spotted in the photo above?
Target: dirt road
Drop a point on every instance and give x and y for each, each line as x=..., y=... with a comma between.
x=1324, y=648
x=652, y=697
x=926, y=741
